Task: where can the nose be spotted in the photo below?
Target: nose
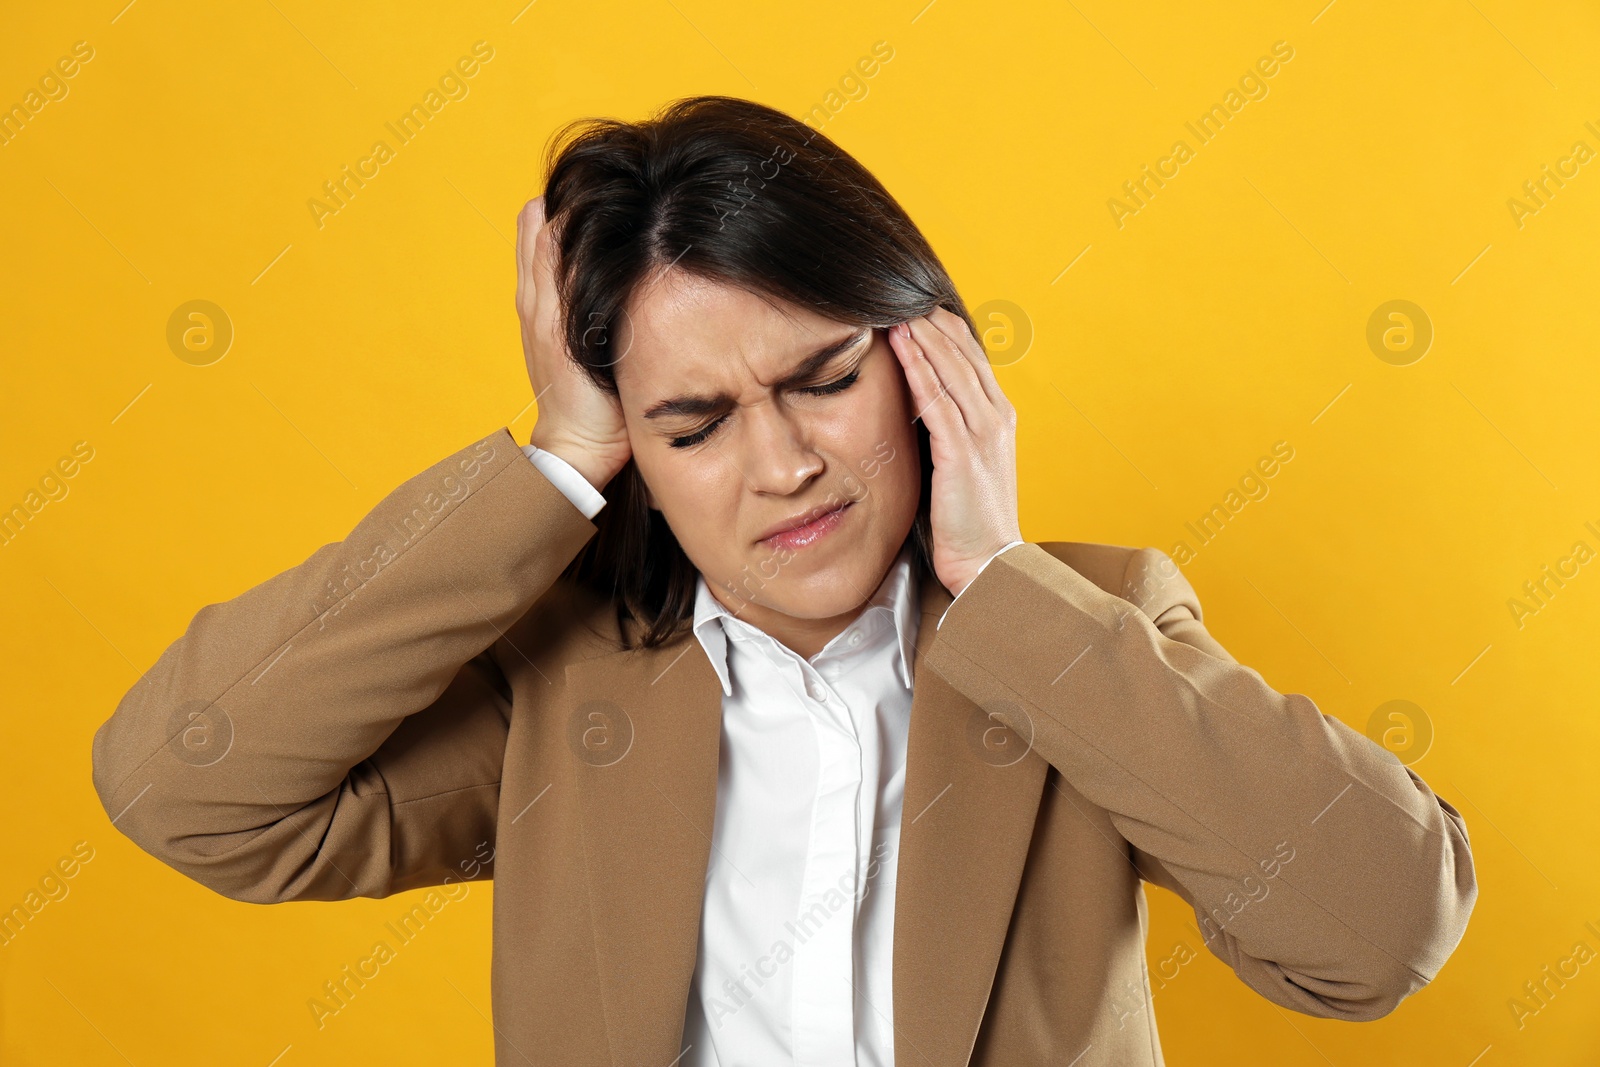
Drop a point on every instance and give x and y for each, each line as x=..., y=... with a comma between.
x=778, y=458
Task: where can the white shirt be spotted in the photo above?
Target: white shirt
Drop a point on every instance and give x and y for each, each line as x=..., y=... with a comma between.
x=797, y=926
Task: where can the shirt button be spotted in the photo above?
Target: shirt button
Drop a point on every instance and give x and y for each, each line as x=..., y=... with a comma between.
x=855, y=637
x=816, y=692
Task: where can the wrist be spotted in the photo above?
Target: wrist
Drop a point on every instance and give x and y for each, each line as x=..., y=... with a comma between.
x=596, y=470
x=977, y=566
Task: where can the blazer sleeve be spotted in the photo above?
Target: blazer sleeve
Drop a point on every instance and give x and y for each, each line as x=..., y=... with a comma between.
x=339, y=729
x=1323, y=871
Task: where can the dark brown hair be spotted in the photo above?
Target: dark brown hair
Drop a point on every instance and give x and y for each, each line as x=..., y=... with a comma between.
x=737, y=193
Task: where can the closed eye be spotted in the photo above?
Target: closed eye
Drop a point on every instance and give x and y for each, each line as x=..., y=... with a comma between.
x=839, y=385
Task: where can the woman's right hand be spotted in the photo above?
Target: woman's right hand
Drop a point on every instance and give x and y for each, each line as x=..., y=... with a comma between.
x=576, y=420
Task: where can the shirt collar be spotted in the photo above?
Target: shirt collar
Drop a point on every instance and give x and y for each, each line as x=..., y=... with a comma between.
x=896, y=594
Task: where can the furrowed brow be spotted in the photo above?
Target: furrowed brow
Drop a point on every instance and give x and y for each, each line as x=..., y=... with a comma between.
x=692, y=404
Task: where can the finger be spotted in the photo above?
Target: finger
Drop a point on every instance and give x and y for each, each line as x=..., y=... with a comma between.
x=544, y=257
x=974, y=363
x=955, y=372
x=546, y=308
x=529, y=221
x=934, y=404
x=976, y=354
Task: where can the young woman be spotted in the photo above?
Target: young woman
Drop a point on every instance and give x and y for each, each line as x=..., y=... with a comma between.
x=779, y=742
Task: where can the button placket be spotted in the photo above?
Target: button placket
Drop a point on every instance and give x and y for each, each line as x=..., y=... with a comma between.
x=824, y=1007
x=852, y=792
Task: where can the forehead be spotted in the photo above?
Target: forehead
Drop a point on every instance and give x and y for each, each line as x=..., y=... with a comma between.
x=686, y=331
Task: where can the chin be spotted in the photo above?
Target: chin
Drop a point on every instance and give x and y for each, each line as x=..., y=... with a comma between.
x=833, y=588
x=832, y=592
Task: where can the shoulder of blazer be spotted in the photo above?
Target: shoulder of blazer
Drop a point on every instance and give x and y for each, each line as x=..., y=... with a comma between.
x=1145, y=577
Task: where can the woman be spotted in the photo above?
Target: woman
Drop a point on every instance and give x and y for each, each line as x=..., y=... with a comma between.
x=741, y=805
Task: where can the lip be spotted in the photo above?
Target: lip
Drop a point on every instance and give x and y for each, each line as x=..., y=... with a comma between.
x=803, y=529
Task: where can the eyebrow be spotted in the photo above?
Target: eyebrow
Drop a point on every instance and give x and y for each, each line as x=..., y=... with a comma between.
x=702, y=404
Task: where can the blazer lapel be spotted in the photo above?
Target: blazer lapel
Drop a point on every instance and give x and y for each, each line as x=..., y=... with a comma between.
x=646, y=728
x=972, y=793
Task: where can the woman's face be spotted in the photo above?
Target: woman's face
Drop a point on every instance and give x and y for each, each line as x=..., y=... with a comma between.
x=737, y=431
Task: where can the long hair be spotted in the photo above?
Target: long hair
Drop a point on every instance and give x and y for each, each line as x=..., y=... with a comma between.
x=737, y=193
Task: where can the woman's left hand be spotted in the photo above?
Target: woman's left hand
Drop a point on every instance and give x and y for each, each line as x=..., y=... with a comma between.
x=973, y=432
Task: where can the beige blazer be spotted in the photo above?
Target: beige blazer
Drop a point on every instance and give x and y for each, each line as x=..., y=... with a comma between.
x=423, y=702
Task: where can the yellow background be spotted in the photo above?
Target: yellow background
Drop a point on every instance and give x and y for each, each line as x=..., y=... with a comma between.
x=1229, y=313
